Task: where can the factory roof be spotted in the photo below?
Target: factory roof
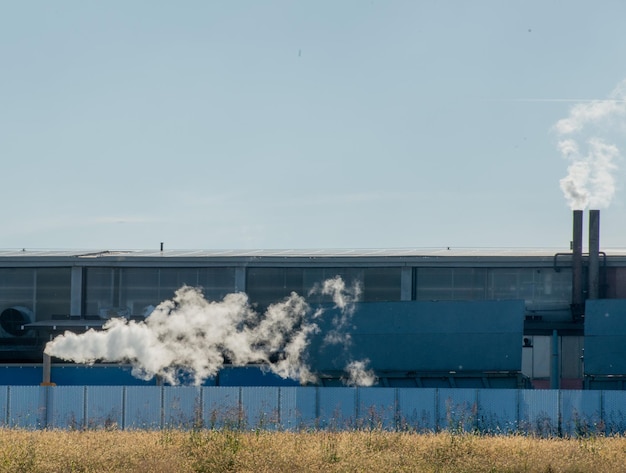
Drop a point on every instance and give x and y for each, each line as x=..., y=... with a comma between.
x=221, y=257
x=297, y=253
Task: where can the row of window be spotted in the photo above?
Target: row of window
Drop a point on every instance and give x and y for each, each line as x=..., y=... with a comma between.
x=47, y=291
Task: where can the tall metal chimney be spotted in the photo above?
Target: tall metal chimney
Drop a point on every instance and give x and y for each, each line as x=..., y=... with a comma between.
x=577, y=265
x=594, y=254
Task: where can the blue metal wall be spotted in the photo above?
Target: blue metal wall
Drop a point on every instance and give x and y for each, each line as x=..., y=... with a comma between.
x=605, y=337
x=427, y=336
x=120, y=375
x=540, y=412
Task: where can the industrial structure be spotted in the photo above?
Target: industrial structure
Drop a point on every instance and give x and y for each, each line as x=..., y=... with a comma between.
x=426, y=317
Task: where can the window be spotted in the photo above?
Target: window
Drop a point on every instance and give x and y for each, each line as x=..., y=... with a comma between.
x=131, y=291
x=268, y=285
x=534, y=285
x=445, y=284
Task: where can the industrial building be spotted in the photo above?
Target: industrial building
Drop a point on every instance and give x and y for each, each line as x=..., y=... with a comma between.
x=426, y=317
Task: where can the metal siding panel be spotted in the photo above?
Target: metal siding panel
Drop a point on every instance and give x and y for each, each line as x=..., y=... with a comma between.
x=220, y=406
x=580, y=412
x=605, y=355
x=260, y=407
x=298, y=407
x=252, y=376
x=457, y=409
x=605, y=329
x=27, y=409
x=427, y=336
x=67, y=404
x=21, y=375
x=104, y=407
x=337, y=407
x=497, y=410
x=142, y=407
x=605, y=316
x=376, y=408
x=539, y=412
x=614, y=411
x=416, y=408
x=503, y=316
x=181, y=406
x=4, y=406
x=96, y=376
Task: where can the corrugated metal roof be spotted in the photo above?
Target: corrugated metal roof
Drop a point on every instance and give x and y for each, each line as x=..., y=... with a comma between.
x=346, y=253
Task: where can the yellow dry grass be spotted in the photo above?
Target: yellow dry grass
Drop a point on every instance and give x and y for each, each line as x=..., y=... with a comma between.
x=263, y=451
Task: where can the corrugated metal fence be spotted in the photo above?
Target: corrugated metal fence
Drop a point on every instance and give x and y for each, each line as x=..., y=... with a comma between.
x=540, y=412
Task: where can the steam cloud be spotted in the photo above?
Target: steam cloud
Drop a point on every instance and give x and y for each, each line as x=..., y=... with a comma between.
x=190, y=336
x=590, y=181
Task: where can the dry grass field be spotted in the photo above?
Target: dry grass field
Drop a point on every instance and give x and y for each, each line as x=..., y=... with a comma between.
x=263, y=451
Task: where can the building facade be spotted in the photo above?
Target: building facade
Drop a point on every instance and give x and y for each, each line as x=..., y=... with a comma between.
x=41, y=290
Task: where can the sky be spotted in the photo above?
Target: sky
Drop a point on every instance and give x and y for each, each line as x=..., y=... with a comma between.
x=300, y=125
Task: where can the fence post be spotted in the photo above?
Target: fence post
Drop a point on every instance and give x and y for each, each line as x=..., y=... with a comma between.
x=8, y=407
x=123, y=407
x=518, y=409
x=559, y=406
x=162, y=403
x=602, y=412
x=555, y=375
x=436, y=410
x=45, y=399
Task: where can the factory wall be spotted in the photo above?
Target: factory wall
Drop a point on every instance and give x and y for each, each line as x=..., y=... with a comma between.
x=104, y=291
x=447, y=336
x=605, y=333
x=92, y=290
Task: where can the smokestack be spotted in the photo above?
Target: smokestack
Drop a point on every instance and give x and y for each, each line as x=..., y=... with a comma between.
x=577, y=265
x=594, y=254
x=46, y=369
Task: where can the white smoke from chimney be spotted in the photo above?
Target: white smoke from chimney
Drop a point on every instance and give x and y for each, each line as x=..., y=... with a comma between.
x=189, y=336
x=345, y=300
x=590, y=180
x=359, y=375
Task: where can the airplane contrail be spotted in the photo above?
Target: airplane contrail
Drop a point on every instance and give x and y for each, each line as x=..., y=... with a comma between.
x=568, y=100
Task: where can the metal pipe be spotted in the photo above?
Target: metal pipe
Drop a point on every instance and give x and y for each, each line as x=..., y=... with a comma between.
x=47, y=365
x=594, y=254
x=577, y=264
x=554, y=372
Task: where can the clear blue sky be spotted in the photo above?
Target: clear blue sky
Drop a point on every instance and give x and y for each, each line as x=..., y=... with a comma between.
x=293, y=124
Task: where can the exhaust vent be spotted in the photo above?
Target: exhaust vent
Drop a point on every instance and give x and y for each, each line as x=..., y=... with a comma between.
x=12, y=320
x=578, y=305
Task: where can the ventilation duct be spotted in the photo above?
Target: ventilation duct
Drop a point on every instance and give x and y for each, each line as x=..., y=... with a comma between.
x=13, y=319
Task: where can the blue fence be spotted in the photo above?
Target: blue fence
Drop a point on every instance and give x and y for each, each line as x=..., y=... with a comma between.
x=538, y=412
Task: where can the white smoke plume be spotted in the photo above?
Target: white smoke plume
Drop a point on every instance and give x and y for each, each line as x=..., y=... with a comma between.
x=344, y=299
x=359, y=375
x=590, y=181
x=189, y=336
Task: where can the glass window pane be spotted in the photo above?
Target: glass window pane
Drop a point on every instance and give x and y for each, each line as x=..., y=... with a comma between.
x=172, y=279
x=433, y=284
x=381, y=284
x=53, y=292
x=134, y=290
x=99, y=289
x=266, y=286
x=139, y=290
x=216, y=282
x=17, y=287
